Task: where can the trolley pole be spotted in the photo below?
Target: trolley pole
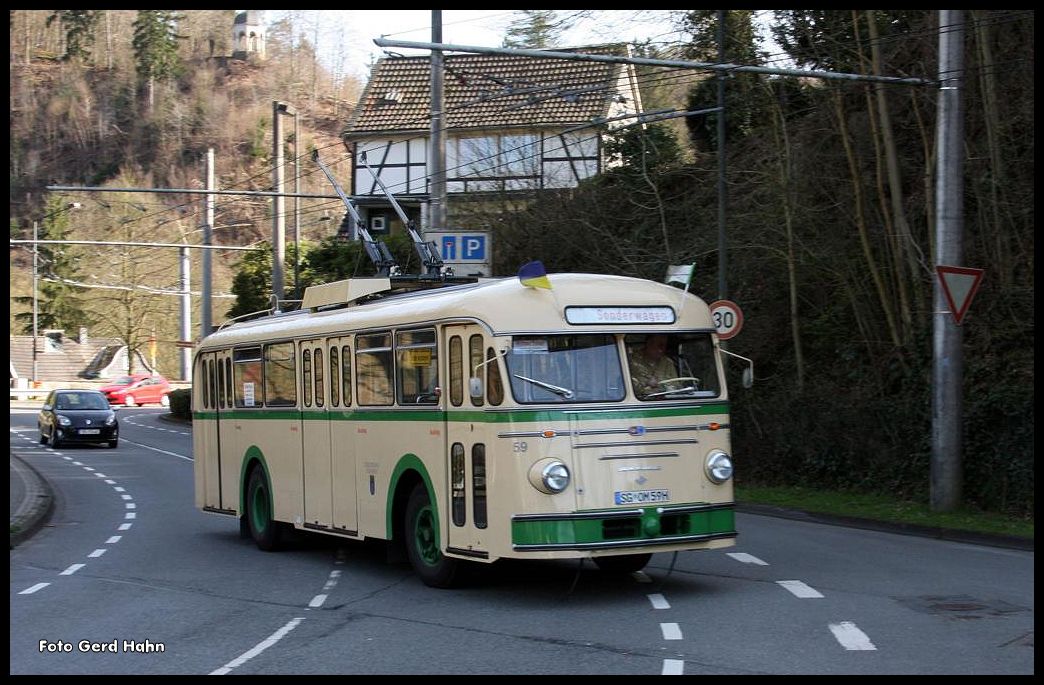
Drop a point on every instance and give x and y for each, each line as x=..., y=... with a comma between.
x=278, y=217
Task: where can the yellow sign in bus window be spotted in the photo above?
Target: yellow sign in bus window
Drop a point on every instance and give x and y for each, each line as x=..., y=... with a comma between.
x=415, y=358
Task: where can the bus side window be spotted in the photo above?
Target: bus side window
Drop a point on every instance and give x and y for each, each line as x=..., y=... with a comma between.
x=373, y=369
x=335, y=381
x=474, y=359
x=318, y=358
x=456, y=371
x=248, y=373
x=205, y=372
x=494, y=386
x=228, y=381
x=280, y=375
x=220, y=384
x=306, y=370
x=346, y=375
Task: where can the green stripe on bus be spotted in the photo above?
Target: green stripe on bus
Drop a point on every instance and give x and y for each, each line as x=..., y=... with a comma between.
x=464, y=416
x=648, y=526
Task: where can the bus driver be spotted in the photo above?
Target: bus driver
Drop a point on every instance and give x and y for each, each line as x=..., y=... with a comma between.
x=650, y=365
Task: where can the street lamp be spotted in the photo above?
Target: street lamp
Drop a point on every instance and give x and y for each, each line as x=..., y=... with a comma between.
x=36, y=279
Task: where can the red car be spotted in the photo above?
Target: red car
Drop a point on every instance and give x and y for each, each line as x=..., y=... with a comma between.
x=138, y=388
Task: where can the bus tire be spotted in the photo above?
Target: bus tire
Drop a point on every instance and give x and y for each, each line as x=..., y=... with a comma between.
x=420, y=536
x=625, y=563
x=267, y=533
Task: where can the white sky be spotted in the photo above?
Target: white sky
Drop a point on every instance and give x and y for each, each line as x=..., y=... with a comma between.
x=347, y=35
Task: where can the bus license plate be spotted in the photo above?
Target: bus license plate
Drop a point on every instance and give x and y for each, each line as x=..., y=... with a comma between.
x=641, y=496
x=90, y=431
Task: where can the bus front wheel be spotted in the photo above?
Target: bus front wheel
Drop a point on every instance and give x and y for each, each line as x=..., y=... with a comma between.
x=421, y=537
x=266, y=532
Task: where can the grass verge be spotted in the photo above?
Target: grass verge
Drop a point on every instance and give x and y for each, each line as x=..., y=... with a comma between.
x=883, y=508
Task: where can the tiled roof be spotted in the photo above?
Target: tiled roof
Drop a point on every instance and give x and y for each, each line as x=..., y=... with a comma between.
x=483, y=91
x=65, y=365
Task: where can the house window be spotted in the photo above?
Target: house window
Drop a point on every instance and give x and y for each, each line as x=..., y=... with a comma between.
x=378, y=224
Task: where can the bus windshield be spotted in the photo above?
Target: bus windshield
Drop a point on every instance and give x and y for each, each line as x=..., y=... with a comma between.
x=565, y=368
x=672, y=367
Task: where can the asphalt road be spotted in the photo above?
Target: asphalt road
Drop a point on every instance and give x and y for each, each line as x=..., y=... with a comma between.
x=127, y=563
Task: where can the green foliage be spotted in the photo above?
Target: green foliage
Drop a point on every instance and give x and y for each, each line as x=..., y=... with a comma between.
x=252, y=284
x=534, y=29
x=181, y=403
x=156, y=44
x=79, y=28
x=642, y=150
x=59, y=305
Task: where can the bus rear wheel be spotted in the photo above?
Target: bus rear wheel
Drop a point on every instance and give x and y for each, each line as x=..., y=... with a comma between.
x=625, y=563
x=267, y=533
x=421, y=537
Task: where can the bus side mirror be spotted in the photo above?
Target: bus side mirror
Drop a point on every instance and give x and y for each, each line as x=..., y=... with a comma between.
x=475, y=387
x=748, y=377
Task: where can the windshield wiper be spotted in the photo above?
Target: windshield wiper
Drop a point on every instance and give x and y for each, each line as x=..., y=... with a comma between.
x=563, y=392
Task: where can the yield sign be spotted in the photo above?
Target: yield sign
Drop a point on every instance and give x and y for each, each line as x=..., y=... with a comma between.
x=958, y=285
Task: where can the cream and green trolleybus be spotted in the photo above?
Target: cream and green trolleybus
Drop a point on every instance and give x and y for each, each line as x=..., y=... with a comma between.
x=470, y=420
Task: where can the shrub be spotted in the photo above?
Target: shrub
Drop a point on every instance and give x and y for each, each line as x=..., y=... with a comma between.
x=181, y=403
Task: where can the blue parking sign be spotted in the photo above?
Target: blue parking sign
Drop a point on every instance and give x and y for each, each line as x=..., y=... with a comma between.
x=459, y=247
x=473, y=247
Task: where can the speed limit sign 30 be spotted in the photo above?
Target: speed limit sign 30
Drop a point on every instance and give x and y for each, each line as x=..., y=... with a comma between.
x=727, y=318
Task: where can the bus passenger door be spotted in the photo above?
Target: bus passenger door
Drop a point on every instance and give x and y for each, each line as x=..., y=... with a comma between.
x=342, y=436
x=315, y=433
x=466, y=468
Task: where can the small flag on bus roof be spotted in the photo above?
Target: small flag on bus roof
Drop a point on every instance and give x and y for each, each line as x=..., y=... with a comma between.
x=680, y=274
x=533, y=275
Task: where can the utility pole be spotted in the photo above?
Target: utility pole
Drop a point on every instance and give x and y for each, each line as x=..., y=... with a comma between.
x=36, y=297
x=186, y=311
x=722, y=290
x=947, y=338
x=278, y=220
x=208, y=238
x=437, y=151
x=297, y=216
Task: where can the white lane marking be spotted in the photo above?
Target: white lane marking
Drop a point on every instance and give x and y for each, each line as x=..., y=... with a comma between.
x=641, y=577
x=745, y=558
x=76, y=463
x=67, y=458
x=87, y=468
x=72, y=569
x=671, y=631
x=119, y=489
x=673, y=667
x=110, y=482
x=317, y=601
x=126, y=497
x=799, y=589
x=31, y=590
x=130, y=515
x=851, y=637
x=100, y=475
x=130, y=505
x=260, y=647
x=125, y=526
x=658, y=601
x=113, y=539
x=97, y=553
x=154, y=449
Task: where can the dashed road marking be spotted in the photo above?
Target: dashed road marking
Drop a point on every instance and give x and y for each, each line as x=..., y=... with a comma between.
x=799, y=589
x=850, y=637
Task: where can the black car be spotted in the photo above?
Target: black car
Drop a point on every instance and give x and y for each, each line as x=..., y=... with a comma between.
x=77, y=416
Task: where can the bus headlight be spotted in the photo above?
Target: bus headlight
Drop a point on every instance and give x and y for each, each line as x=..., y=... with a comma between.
x=549, y=476
x=719, y=466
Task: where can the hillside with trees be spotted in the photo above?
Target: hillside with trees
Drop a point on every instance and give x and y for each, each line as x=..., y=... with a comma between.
x=134, y=99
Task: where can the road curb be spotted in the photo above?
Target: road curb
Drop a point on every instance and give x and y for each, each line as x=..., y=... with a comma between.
x=992, y=540
x=36, y=506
